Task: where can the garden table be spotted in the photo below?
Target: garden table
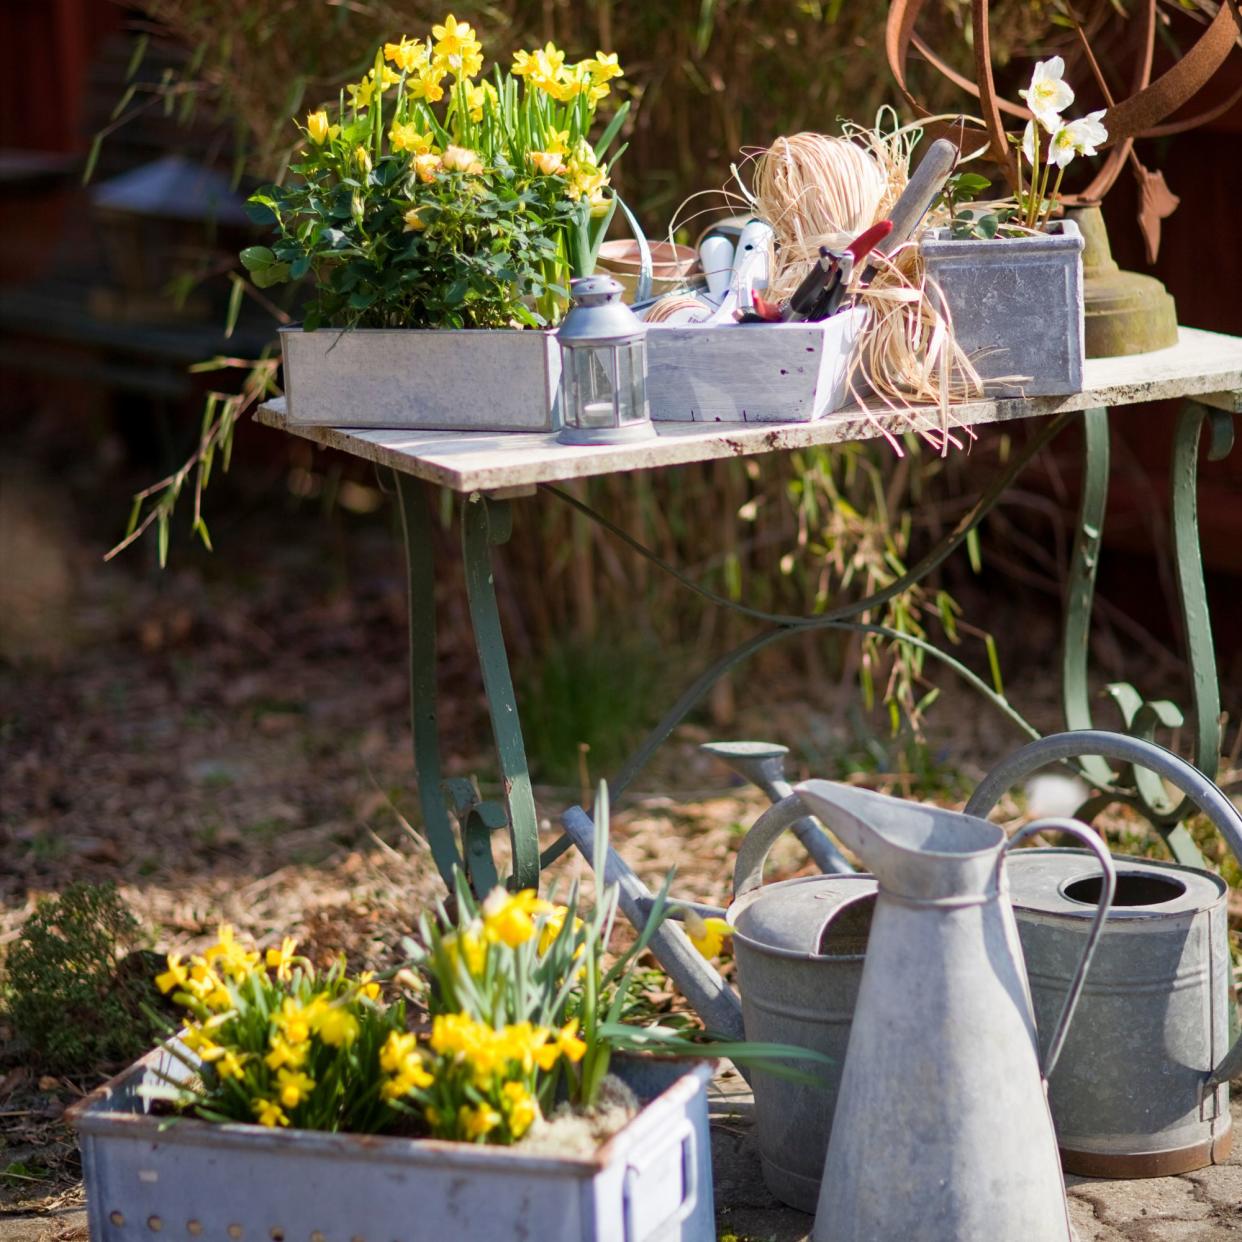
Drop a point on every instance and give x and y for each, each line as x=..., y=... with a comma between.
x=487, y=470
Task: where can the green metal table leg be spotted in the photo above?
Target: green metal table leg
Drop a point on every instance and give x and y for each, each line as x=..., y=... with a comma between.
x=484, y=523
x=1080, y=589
x=420, y=570
x=1139, y=788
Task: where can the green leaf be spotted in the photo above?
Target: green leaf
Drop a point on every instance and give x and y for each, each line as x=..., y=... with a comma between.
x=256, y=258
x=234, y=307
x=92, y=158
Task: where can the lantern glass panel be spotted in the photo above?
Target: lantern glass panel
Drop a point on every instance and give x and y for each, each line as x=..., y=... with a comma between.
x=631, y=382
x=593, y=395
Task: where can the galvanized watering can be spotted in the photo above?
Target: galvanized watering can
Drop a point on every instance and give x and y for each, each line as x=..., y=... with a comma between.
x=799, y=949
x=942, y=1128
x=1141, y=1089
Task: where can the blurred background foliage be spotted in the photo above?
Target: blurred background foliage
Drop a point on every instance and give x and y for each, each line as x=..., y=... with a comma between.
x=789, y=532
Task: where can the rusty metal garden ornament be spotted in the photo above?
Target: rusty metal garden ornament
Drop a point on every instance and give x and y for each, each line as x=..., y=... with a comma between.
x=1125, y=313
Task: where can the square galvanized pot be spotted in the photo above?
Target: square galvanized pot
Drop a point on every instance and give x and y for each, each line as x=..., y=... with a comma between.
x=463, y=379
x=1016, y=305
x=148, y=1176
x=750, y=373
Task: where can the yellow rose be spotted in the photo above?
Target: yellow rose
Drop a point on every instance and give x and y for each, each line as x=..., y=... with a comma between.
x=317, y=128
x=414, y=223
x=461, y=159
x=548, y=162
x=426, y=166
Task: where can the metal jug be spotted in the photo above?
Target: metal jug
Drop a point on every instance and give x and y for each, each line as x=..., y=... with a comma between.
x=942, y=1128
x=1141, y=1088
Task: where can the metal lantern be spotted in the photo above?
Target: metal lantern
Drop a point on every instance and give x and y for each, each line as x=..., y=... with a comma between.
x=603, y=367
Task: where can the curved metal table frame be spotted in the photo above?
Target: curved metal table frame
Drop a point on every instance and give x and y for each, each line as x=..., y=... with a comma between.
x=460, y=825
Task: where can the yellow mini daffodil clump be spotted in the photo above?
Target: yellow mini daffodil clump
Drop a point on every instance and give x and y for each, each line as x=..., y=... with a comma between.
x=430, y=195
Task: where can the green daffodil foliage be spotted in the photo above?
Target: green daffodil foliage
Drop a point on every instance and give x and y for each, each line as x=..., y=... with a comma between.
x=430, y=198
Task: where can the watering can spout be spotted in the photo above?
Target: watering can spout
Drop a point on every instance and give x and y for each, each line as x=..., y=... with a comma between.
x=916, y=851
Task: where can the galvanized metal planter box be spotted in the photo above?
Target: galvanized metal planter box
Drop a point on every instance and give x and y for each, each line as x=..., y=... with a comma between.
x=752, y=373
x=1016, y=305
x=146, y=1174
x=464, y=379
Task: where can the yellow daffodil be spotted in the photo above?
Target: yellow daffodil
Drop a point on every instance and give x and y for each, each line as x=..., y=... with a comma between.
x=477, y=1122
x=461, y=159
x=281, y=960
x=557, y=142
x=286, y=1055
x=571, y=1047
x=294, y=1087
x=367, y=986
x=335, y=1025
x=522, y=1108
x=397, y=1047
x=511, y=919
x=603, y=66
x=547, y=162
x=453, y=36
x=409, y=138
x=229, y=956
x=231, y=1064
x=268, y=1113
x=462, y=65
x=414, y=223
x=408, y=55
x=293, y=1021
x=707, y=935
x=206, y=986
x=176, y=976
x=427, y=84
x=361, y=93
x=477, y=98
x=523, y=63
x=426, y=166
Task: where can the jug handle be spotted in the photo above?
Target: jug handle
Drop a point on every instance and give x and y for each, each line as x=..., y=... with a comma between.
x=1091, y=839
x=758, y=842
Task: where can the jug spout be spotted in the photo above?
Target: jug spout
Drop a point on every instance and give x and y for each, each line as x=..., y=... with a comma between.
x=920, y=852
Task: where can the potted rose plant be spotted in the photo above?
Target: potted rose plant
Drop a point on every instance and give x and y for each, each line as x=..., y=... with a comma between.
x=1008, y=274
x=431, y=197
x=300, y=1103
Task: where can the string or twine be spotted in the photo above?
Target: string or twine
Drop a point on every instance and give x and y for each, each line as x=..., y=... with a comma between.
x=816, y=190
x=673, y=303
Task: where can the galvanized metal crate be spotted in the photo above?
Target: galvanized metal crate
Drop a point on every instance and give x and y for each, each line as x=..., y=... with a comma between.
x=1016, y=305
x=459, y=379
x=148, y=1175
x=750, y=373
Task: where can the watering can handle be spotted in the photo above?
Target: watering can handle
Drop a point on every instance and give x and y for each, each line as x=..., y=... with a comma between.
x=1091, y=839
x=758, y=842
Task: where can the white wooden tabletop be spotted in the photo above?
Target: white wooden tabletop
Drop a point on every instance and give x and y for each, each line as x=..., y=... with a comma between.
x=1201, y=364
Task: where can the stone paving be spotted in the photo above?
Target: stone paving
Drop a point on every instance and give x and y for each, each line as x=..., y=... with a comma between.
x=1205, y=1206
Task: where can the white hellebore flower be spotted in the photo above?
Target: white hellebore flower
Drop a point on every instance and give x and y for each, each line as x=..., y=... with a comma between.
x=1048, y=96
x=1030, y=139
x=1079, y=137
x=1088, y=133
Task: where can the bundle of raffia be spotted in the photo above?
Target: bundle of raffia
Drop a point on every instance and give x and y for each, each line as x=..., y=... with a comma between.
x=816, y=190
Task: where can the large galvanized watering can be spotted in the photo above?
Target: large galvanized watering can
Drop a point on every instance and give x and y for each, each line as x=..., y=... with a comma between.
x=942, y=1128
x=1141, y=1087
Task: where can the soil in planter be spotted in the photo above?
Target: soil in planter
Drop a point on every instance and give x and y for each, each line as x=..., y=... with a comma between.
x=571, y=1133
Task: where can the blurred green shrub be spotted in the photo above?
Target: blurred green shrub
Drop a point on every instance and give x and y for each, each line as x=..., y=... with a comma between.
x=71, y=996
